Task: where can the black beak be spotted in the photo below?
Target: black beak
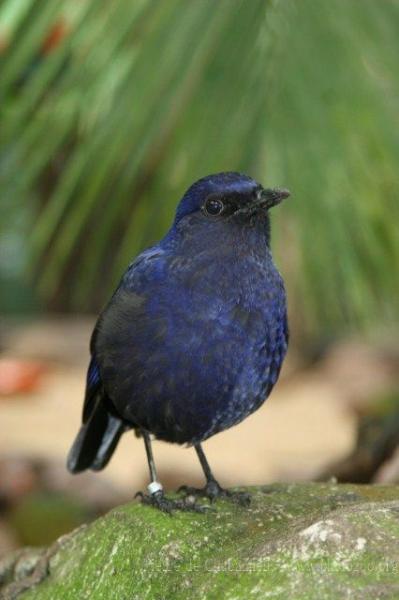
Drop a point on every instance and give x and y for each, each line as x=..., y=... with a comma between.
x=271, y=197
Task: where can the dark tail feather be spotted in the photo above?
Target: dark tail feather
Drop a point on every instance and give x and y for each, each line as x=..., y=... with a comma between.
x=110, y=440
x=96, y=440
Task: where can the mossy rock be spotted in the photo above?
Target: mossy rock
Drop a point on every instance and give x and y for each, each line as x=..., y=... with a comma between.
x=299, y=541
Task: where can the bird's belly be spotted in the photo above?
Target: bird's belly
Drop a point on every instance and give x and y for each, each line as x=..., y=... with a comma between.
x=189, y=388
x=187, y=365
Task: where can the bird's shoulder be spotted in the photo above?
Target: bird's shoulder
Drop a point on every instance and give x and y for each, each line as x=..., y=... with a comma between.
x=128, y=305
x=150, y=263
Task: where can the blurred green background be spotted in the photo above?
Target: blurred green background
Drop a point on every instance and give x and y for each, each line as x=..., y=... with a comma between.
x=109, y=110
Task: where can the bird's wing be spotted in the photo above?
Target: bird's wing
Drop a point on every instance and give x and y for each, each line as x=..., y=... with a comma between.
x=93, y=381
x=93, y=387
x=101, y=426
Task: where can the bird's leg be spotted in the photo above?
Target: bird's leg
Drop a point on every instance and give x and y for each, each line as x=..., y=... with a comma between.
x=155, y=496
x=212, y=488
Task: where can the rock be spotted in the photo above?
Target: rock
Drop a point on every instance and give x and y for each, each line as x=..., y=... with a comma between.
x=314, y=541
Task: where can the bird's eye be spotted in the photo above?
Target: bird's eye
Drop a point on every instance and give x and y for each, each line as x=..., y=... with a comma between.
x=213, y=207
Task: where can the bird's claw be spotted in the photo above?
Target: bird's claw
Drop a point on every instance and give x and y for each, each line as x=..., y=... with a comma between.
x=168, y=505
x=213, y=490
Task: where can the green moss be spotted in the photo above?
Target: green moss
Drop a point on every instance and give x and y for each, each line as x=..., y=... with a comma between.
x=319, y=540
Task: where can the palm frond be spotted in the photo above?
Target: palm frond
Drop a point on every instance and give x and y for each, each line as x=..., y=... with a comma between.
x=110, y=110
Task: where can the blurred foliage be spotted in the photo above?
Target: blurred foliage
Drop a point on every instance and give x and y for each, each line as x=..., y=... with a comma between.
x=41, y=517
x=111, y=109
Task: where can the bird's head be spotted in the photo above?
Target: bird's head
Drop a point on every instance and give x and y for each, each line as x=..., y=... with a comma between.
x=228, y=197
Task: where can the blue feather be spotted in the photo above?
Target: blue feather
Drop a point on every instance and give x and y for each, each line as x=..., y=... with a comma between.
x=194, y=337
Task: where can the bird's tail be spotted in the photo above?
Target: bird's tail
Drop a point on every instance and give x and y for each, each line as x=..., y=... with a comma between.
x=96, y=440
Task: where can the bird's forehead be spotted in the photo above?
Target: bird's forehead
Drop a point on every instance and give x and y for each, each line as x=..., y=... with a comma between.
x=225, y=183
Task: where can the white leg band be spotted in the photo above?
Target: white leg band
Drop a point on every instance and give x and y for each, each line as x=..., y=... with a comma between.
x=154, y=487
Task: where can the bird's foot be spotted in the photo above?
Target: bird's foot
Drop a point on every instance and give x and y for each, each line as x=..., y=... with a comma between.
x=213, y=490
x=168, y=505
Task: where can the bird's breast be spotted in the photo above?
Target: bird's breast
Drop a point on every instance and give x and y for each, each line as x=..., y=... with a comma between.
x=196, y=352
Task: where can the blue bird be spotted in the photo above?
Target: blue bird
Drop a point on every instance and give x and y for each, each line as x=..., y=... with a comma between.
x=193, y=339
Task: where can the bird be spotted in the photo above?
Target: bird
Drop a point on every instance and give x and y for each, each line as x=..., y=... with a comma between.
x=193, y=339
